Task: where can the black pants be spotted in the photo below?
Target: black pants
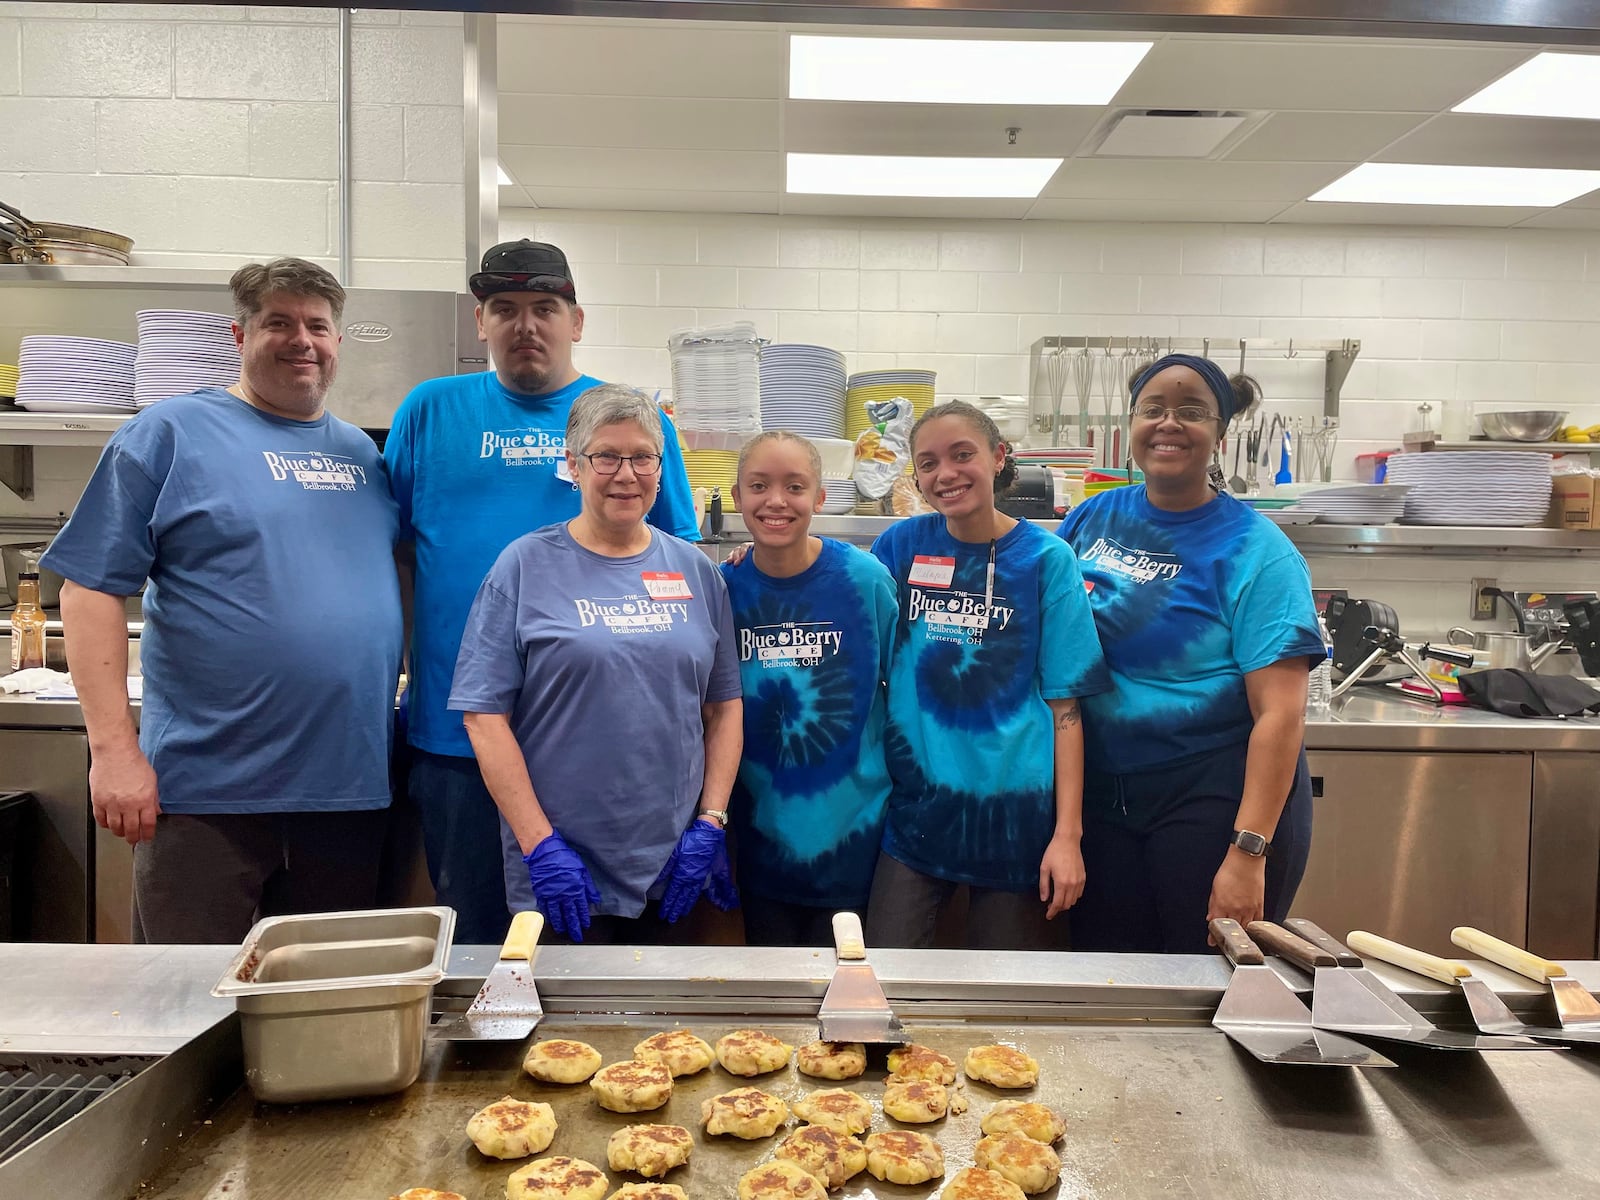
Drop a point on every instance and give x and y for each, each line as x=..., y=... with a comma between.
x=208, y=878
x=779, y=923
x=1153, y=842
x=461, y=835
x=906, y=906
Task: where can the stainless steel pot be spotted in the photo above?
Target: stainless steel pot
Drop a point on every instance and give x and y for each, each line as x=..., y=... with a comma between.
x=51, y=243
x=1497, y=649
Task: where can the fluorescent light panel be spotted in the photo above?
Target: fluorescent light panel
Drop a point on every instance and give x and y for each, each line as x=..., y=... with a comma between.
x=1547, y=85
x=905, y=175
x=1425, y=183
x=945, y=71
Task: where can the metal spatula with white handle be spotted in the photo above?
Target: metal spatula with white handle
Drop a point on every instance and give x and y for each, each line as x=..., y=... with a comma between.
x=854, y=1008
x=1575, y=1006
x=507, y=1007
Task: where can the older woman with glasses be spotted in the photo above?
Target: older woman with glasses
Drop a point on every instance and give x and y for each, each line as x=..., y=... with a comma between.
x=599, y=676
x=1197, y=802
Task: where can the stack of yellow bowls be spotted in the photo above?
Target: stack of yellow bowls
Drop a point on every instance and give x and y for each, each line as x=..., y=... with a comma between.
x=8, y=380
x=712, y=469
x=867, y=386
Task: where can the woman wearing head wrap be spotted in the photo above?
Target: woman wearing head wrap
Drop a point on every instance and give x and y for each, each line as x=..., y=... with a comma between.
x=1197, y=801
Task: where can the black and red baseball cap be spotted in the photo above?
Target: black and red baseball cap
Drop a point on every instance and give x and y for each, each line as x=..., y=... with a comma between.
x=524, y=266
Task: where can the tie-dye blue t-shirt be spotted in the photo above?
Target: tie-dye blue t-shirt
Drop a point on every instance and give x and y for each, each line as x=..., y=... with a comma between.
x=971, y=746
x=813, y=785
x=1187, y=604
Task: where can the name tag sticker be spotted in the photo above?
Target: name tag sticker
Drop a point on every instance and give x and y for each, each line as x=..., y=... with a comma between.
x=930, y=571
x=562, y=473
x=666, y=585
x=1088, y=585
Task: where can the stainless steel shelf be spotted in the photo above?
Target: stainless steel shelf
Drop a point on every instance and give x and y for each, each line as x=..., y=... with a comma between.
x=67, y=429
x=1540, y=447
x=187, y=279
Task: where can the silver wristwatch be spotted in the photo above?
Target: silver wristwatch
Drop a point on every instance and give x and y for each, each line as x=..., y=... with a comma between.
x=1252, y=844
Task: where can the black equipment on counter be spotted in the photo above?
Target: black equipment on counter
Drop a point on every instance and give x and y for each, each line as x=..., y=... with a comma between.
x=1363, y=632
x=1583, y=633
x=1031, y=497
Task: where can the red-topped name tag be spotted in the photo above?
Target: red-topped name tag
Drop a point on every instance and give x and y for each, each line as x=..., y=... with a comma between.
x=666, y=585
x=1088, y=585
x=927, y=570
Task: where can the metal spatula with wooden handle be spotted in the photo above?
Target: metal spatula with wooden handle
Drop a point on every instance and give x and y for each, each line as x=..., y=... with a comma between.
x=1489, y=1012
x=507, y=1007
x=1575, y=1006
x=854, y=1008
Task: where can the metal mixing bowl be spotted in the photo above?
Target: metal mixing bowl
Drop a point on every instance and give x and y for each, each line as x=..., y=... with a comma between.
x=1534, y=425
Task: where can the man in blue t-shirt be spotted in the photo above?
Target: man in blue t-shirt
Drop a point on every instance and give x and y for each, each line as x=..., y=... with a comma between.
x=258, y=780
x=477, y=461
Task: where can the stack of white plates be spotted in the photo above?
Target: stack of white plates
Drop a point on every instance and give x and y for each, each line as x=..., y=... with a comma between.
x=802, y=390
x=182, y=352
x=841, y=496
x=75, y=375
x=716, y=379
x=1358, y=504
x=1474, y=487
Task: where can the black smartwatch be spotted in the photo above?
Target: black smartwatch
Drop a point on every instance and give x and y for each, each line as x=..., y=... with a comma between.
x=1252, y=844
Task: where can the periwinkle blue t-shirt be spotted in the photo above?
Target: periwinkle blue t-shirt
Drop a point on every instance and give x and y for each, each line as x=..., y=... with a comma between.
x=272, y=630
x=971, y=746
x=602, y=665
x=474, y=466
x=1187, y=604
x=813, y=784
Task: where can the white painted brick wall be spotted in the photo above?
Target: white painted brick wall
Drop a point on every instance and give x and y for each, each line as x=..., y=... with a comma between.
x=208, y=133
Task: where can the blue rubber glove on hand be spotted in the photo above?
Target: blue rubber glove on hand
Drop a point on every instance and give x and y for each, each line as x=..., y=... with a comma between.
x=699, y=864
x=562, y=885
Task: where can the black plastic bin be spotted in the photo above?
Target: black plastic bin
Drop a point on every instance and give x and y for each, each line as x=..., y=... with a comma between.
x=15, y=809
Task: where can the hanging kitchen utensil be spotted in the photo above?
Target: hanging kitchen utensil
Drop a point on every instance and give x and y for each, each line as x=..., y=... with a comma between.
x=507, y=1006
x=1260, y=1012
x=48, y=243
x=1083, y=383
x=1056, y=371
x=1236, y=483
x=1489, y=1012
x=854, y=1008
x=1575, y=1006
x=1350, y=999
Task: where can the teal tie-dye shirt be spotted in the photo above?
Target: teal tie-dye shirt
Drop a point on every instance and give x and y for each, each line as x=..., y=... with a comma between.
x=1187, y=604
x=812, y=787
x=971, y=745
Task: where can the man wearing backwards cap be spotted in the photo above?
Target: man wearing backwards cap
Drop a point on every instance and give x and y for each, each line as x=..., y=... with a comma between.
x=477, y=461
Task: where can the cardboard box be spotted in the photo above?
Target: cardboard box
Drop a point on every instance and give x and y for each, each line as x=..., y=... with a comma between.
x=1574, y=502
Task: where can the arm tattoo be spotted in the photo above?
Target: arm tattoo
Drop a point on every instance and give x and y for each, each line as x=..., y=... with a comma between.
x=1068, y=716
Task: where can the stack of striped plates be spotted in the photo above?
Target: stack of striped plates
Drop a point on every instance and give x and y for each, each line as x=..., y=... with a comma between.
x=182, y=352
x=867, y=386
x=1355, y=504
x=712, y=469
x=802, y=390
x=1473, y=487
x=839, y=496
x=75, y=375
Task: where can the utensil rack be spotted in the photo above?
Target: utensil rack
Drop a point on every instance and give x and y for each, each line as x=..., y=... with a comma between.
x=1054, y=415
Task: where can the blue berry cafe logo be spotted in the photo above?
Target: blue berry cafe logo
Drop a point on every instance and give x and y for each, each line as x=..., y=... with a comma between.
x=958, y=616
x=789, y=644
x=316, y=472
x=631, y=614
x=1141, y=566
x=524, y=447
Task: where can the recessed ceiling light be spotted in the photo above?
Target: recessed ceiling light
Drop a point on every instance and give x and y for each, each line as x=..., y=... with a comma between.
x=1425, y=183
x=904, y=175
x=505, y=180
x=946, y=71
x=1547, y=85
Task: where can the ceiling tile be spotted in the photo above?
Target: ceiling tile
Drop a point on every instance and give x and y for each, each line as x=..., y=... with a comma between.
x=904, y=206
x=512, y=196
x=658, y=122
x=1403, y=214
x=826, y=127
x=1323, y=136
x=645, y=59
x=1165, y=179
x=1366, y=76
x=1564, y=218
x=663, y=170
x=651, y=200
x=1478, y=139
x=1244, y=212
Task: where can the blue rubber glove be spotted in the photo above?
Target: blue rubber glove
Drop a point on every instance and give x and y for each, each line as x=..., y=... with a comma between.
x=562, y=885
x=698, y=864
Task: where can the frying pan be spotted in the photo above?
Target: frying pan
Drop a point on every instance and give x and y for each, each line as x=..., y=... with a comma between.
x=51, y=243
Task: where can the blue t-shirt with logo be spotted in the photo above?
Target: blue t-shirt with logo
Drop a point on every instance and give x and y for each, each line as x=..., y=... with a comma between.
x=813, y=784
x=272, y=630
x=1187, y=604
x=475, y=466
x=971, y=746
x=601, y=665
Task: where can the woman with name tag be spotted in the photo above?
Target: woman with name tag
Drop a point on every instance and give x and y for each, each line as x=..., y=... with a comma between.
x=815, y=620
x=1197, y=801
x=994, y=648
x=599, y=679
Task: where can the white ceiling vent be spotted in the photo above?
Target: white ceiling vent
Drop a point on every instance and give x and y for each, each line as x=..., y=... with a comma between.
x=1169, y=133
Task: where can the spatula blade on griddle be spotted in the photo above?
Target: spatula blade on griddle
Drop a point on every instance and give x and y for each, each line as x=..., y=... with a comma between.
x=507, y=1007
x=1576, y=1007
x=854, y=1008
